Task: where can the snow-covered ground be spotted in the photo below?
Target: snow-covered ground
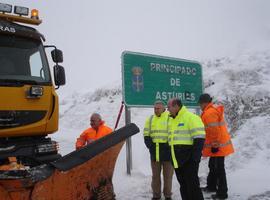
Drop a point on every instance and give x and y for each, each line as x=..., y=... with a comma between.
x=240, y=83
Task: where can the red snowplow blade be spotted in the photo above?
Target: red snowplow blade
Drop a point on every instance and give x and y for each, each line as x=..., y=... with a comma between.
x=83, y=174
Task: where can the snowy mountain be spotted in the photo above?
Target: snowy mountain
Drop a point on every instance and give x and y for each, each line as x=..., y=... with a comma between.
x=240, y=83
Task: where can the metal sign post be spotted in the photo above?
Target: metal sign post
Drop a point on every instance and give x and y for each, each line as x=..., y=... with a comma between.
x=128, y=142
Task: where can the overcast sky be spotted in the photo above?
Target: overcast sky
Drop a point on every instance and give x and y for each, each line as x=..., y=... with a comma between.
x=93, y=34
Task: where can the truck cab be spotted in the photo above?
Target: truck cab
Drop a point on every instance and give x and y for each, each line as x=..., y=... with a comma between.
x=28, y=102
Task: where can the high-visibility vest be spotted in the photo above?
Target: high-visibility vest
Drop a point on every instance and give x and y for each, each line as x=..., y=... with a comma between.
x=157, y=128
x=217, y=134
x=183, y=129
x=90, y=135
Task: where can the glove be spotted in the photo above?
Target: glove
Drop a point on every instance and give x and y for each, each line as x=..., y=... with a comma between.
x=148, y=142
x=214, y=149
x=197, y=149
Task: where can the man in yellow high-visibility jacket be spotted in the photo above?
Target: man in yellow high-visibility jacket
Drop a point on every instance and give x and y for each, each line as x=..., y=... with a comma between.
x=186, y=139
x=156, y=140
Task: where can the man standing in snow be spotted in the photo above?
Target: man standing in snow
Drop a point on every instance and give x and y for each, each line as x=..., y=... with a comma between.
x=217, y=145
x=156, y=140
x=98, y=129
x=186, y=138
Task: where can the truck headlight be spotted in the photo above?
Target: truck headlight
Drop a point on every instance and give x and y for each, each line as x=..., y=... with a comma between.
x=48, y=148
x=35, y=91
x=5, y=8
x=19, y=10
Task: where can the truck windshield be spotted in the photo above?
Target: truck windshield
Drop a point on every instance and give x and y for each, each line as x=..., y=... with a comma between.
x=23, y=60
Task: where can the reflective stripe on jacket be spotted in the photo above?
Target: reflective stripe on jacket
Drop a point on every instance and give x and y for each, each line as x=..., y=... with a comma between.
x=90, y=135
x=183, y=129
x=217, y=134
x=157, y=128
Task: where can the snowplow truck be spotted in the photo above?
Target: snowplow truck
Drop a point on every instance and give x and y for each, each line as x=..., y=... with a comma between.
x=28, y=103
x=30, y=165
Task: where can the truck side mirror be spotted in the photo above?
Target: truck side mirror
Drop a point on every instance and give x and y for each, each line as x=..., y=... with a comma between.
x=57, y=55
x=59, y=75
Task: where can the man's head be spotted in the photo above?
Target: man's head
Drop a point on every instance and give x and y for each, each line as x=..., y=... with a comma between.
x=204, y=100
x=159, y=108
x=174, y=105
x=95, y=120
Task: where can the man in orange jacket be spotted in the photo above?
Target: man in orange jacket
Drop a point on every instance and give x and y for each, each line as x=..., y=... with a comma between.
x=98, y=129
x=217, y=145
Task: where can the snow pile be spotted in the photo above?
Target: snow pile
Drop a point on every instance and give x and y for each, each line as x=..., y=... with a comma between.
x=240, y=83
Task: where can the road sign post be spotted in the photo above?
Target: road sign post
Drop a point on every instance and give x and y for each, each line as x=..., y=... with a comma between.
x=128, y=142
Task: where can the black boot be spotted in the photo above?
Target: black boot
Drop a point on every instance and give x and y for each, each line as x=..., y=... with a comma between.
x=156, y=198
x=208, y=189
x=219, y=197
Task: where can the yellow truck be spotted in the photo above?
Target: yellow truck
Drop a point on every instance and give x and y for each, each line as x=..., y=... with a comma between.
x=30, y=166
x=28, y=102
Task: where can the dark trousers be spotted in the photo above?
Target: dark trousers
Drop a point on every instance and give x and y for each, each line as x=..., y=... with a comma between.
x=187, y=176
x=216, y=178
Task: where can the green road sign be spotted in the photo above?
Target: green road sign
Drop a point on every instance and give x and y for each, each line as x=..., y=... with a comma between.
x=147, y=78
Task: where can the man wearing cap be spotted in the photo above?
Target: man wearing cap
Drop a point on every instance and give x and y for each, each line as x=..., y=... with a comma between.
x=186, y=139
x=156, y=140
x=217, y=145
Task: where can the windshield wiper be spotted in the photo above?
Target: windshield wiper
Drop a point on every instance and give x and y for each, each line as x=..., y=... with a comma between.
x=14, y=82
